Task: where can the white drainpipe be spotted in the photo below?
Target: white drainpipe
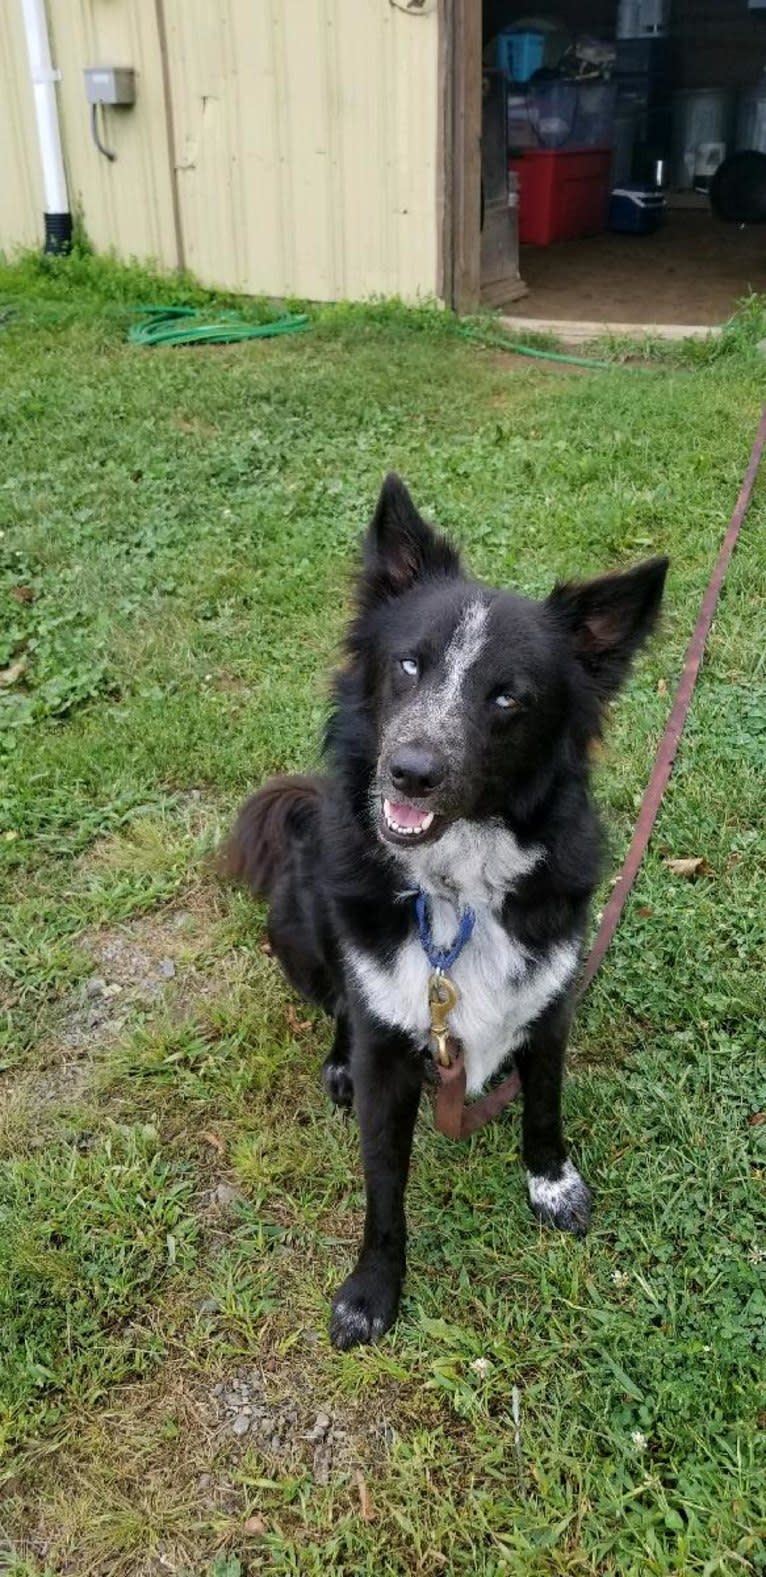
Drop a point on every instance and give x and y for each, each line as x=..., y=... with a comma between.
x=58, y=219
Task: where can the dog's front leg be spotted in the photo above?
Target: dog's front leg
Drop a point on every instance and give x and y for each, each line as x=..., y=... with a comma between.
x=557, y=1193
x=387, y=1079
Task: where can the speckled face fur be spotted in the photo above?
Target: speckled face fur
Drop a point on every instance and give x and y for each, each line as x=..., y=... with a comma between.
x=472, y=692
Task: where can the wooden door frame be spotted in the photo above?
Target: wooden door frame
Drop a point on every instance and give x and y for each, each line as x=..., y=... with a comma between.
x=460, y=59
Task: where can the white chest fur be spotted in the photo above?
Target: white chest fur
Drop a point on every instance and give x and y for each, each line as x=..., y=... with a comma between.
x=502, y=988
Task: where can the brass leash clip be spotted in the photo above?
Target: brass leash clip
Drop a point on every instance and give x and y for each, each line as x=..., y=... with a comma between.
x=443, y=996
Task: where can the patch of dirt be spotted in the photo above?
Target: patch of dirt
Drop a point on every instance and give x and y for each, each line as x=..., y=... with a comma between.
x=230, y=684
x=133, y=967
x=195, y=426
x=290, y=1432
x=166, y=1454
x=148, y=961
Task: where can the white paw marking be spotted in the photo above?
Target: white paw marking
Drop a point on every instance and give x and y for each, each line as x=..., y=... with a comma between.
x=356, y=1323
x=550, y=1195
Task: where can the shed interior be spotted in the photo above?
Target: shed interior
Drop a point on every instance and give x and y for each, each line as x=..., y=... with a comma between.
x=629, y=137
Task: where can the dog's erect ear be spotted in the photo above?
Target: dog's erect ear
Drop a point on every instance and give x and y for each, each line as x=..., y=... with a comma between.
x=610, y=618
x=400, y=547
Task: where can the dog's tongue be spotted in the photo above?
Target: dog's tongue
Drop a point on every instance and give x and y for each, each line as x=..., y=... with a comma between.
x=406, y=815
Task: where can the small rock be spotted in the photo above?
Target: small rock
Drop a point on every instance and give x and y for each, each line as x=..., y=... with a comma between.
x=205, y=1480
x=231, y=1399
x=95, y=987
x=167, y=968
x=320, y=1427
x=217, y=1389
x=322, y=1465
x=226, y=1194
x=241, y=1425
x=247, y=1410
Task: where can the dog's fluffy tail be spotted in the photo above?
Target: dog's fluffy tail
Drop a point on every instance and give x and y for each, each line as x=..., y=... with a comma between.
x=258, y=844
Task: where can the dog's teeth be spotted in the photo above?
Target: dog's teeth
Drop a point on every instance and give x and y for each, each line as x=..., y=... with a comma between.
x=405, y=831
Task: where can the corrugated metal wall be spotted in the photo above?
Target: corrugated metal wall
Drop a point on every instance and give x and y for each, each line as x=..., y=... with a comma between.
x=283, y=146
x=126, y=205
x=21, y=193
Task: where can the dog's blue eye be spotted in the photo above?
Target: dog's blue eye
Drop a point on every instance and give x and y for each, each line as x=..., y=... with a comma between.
x=410, y=666
x=505, y=701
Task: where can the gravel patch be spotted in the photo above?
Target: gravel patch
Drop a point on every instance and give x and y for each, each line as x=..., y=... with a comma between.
x=133, y=966
x=289, y=1432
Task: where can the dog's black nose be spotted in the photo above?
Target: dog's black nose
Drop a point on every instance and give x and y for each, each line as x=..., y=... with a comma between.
x=417, y=769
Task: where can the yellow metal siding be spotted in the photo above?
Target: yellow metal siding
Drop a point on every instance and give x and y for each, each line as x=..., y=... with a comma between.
x=297, y=137
x=306, y=136
x=21, y=187
x=126, y=205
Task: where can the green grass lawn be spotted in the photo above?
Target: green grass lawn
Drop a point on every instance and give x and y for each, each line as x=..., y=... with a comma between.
x=177, y=1200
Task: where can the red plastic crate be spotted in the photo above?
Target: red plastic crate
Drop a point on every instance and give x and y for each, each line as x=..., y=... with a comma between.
x=562, y=194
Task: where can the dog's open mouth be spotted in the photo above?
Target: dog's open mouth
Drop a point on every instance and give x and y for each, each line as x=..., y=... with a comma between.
x=404, y=823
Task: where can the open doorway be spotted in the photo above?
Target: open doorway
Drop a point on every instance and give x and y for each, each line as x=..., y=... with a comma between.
x=646, y=99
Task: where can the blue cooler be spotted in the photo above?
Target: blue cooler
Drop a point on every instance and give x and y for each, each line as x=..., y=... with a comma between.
x=635, y=209
x=519, y=54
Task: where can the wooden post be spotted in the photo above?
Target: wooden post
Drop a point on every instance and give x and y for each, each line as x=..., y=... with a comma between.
x=460, y=138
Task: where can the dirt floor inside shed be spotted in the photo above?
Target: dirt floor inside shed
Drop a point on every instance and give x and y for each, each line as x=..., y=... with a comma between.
x=692, y=271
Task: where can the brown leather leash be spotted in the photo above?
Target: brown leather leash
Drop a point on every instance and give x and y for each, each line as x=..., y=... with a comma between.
x=456, y=1117
x=453, y=1115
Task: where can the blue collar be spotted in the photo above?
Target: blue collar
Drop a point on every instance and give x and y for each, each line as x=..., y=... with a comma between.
x=441, y=958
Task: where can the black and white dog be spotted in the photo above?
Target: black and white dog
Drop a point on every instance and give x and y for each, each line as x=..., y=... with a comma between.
x=457, y=769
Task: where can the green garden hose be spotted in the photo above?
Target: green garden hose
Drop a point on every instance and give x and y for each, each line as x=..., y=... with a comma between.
x=499, y=342
x=182, y=326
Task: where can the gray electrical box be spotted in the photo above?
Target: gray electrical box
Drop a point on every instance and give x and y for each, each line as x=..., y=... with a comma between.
x=110, y=84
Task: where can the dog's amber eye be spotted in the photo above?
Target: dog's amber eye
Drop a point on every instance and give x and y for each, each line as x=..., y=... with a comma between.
x=505, y=701
x=410, y=666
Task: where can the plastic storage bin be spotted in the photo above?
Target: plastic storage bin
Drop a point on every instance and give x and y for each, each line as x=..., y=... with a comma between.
x=595, y=115
x=520, y=54
x=562, y=195
x=552, y=110
x=642, y=18
x=700, y=115
x=521, y=132
x=635, y=209
x=751, y=119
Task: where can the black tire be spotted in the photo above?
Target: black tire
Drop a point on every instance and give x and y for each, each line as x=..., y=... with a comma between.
x=738, y=188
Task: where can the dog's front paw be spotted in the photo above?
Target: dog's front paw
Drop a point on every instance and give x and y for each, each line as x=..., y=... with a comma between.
x=337, y=1080
x=562, y=1201
x=365, y=1306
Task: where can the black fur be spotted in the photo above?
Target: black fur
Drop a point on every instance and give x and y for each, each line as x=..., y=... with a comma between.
x=323, y=854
